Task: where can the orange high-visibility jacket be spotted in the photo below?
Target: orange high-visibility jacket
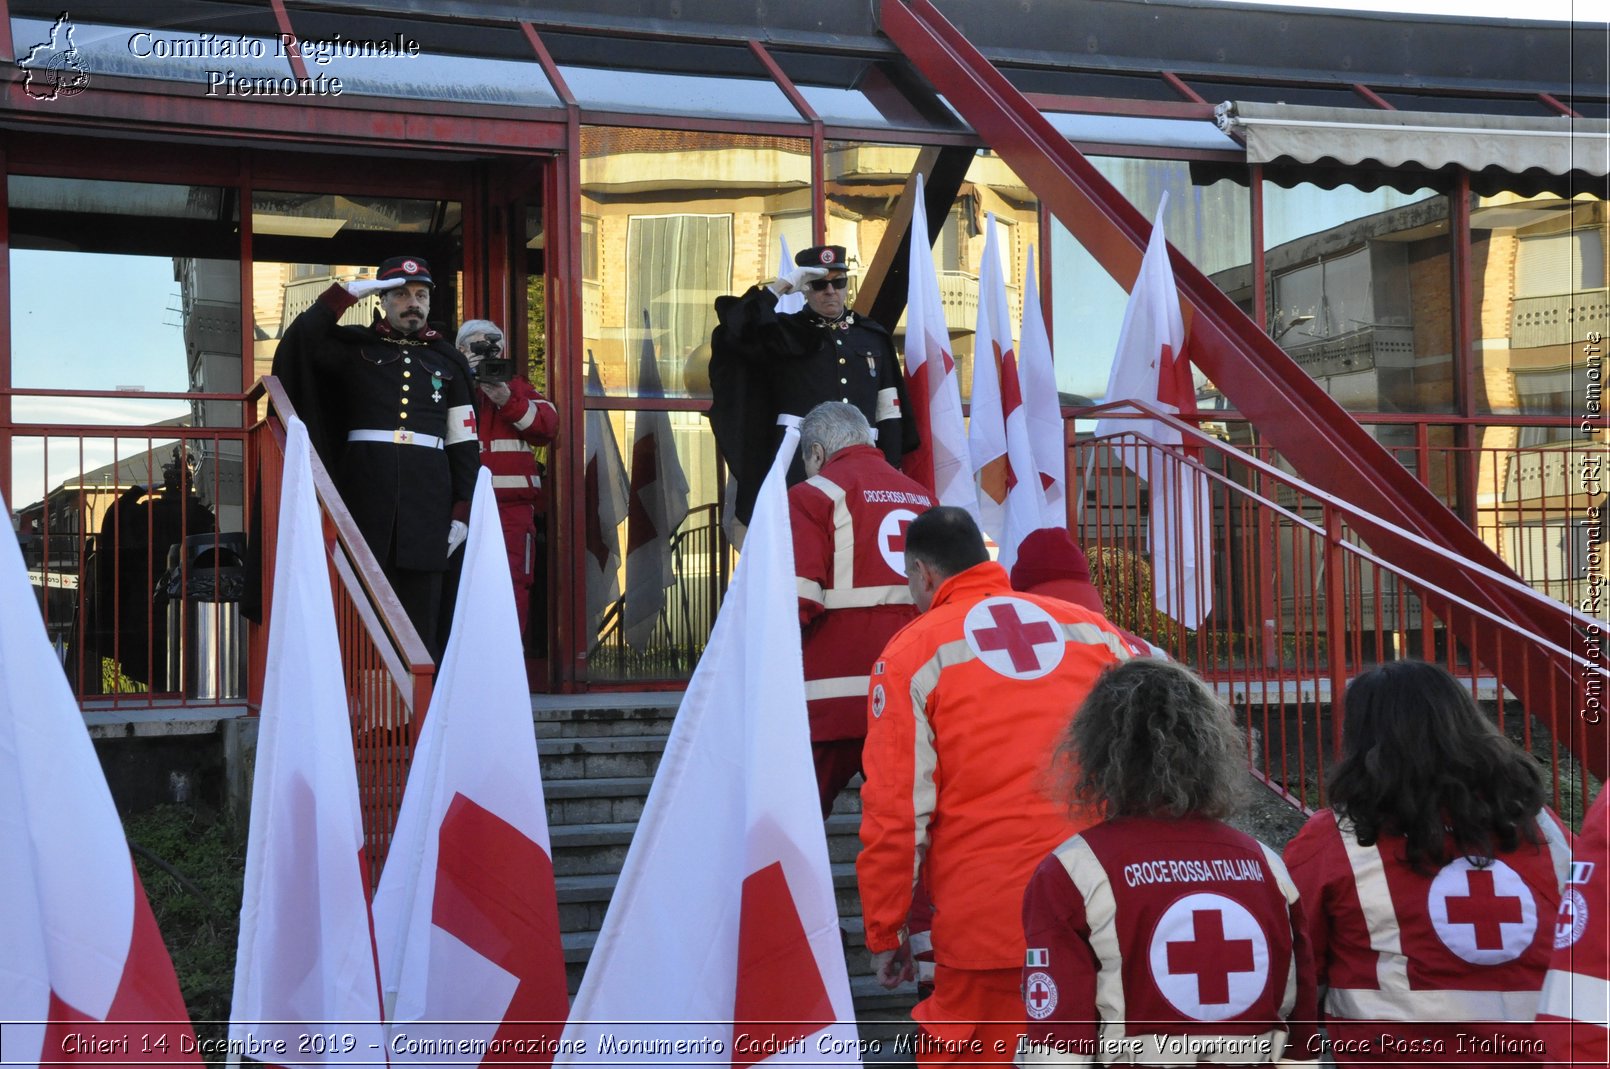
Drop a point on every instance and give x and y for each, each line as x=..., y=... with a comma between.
x=966, y=706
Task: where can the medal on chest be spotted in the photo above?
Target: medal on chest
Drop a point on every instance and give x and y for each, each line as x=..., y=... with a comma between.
x=436, y=387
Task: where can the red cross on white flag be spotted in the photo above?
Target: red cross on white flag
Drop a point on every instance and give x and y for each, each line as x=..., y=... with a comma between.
x=1180, y=517
x=466, y=915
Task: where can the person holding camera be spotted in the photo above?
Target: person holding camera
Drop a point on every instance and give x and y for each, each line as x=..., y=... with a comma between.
x=764, y=365
x=511, y=417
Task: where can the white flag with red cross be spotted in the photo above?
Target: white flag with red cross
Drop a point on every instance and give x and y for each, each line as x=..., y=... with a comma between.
x=306, y=954
x=723, y=928
x=84, y=976
x=606, y=492
x=656, y=507
x=932, y=384
x=1151, y=365
x=1010, y=500
x=1038, y=373
x=467, y=917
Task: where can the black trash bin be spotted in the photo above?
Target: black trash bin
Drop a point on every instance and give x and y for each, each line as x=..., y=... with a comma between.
x=204, y=585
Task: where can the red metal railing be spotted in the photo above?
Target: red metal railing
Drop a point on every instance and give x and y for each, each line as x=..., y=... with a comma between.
x=1308, y=590
x=387, y=671
x=124, y=531
x=1290, y=409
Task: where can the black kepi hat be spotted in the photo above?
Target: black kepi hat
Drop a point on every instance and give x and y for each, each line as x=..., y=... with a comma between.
x=828, y=256
x=412, y=268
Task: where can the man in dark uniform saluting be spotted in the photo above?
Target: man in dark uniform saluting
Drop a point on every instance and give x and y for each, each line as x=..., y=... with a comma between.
x=390, y=409
x=763, y=365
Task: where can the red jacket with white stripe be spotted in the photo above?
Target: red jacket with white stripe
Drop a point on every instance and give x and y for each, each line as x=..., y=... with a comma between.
x=1177, y=941
x=849, y=525
x=1572, y=1009
x=966, y=707
x=508, y=431
x=1441, y=967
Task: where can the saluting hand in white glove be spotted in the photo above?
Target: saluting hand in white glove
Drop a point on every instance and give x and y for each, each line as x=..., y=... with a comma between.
x=362, y=287
x=795, y=280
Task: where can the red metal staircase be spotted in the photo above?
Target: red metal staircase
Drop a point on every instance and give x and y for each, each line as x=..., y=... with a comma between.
x=1323, y=441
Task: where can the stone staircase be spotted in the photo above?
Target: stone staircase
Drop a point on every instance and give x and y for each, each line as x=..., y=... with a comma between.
x=599, y=753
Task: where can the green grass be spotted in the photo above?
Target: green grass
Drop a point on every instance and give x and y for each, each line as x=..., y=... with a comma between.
x=195, y=892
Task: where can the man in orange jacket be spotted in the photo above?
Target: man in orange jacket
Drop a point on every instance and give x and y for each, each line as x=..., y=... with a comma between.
x=966, y=705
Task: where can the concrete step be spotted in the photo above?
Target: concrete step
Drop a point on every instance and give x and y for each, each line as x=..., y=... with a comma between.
x=599, y=848
x=602, y=715
x=612, y=757
x=843, y=837
x=599, y=800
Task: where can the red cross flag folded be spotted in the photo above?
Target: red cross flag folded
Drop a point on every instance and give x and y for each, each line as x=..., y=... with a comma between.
x=656, y=508
x=84, y=977
x=306, y=956
x=1150, y=365
x=1010, y=499
x=466, y=916
x=1039, y=374
x=940, y=462
x=721, y=945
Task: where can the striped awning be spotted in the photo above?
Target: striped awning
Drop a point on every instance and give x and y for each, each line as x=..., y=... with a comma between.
x=1558, y=145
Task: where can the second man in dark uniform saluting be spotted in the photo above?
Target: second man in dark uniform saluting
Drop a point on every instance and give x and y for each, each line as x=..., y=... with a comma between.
x=764, y=364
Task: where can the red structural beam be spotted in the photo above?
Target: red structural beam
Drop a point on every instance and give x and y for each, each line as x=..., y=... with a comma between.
x=1326, y=444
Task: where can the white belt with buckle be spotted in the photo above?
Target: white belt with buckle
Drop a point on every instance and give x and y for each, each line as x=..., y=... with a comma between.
x=429, y=441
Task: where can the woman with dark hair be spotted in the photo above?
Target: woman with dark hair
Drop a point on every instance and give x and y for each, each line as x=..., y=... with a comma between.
x=1431, y=883
x=1161, y=934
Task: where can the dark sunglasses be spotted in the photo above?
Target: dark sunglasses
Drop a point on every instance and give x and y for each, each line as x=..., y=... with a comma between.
x=820, y=285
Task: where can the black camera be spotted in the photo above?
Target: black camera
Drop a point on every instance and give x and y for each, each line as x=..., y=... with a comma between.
x=493, y=366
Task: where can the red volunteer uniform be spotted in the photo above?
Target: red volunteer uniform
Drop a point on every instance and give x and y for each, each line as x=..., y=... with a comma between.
x=966, y=707
x=1179, y=941
x=1441, y=967
x=849, y=524
x=507, y=433
x=1572, y=1010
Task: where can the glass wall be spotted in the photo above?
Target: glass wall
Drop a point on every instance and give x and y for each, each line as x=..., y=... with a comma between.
x=125, y=305
x=1540, y=316
x=1210, y=224
x=671, y=220
x=1360, y=293
x=864, y=182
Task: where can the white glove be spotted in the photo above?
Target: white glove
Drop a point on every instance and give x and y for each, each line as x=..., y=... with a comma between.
x=457, y=531
x=795, y=280
x=362, y=287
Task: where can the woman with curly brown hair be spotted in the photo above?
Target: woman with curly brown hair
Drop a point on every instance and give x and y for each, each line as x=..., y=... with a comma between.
x=1161, y=934
x=1431, y=883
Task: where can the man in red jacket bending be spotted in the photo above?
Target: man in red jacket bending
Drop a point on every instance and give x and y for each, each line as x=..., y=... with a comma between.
x=511, y=417
x=849, y=519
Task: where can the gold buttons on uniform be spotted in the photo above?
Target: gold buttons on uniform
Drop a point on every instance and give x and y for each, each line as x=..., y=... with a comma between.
x=408, y=360
x=402, y=415
x=405, y=387
x=844, y=382
x=407, y=375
